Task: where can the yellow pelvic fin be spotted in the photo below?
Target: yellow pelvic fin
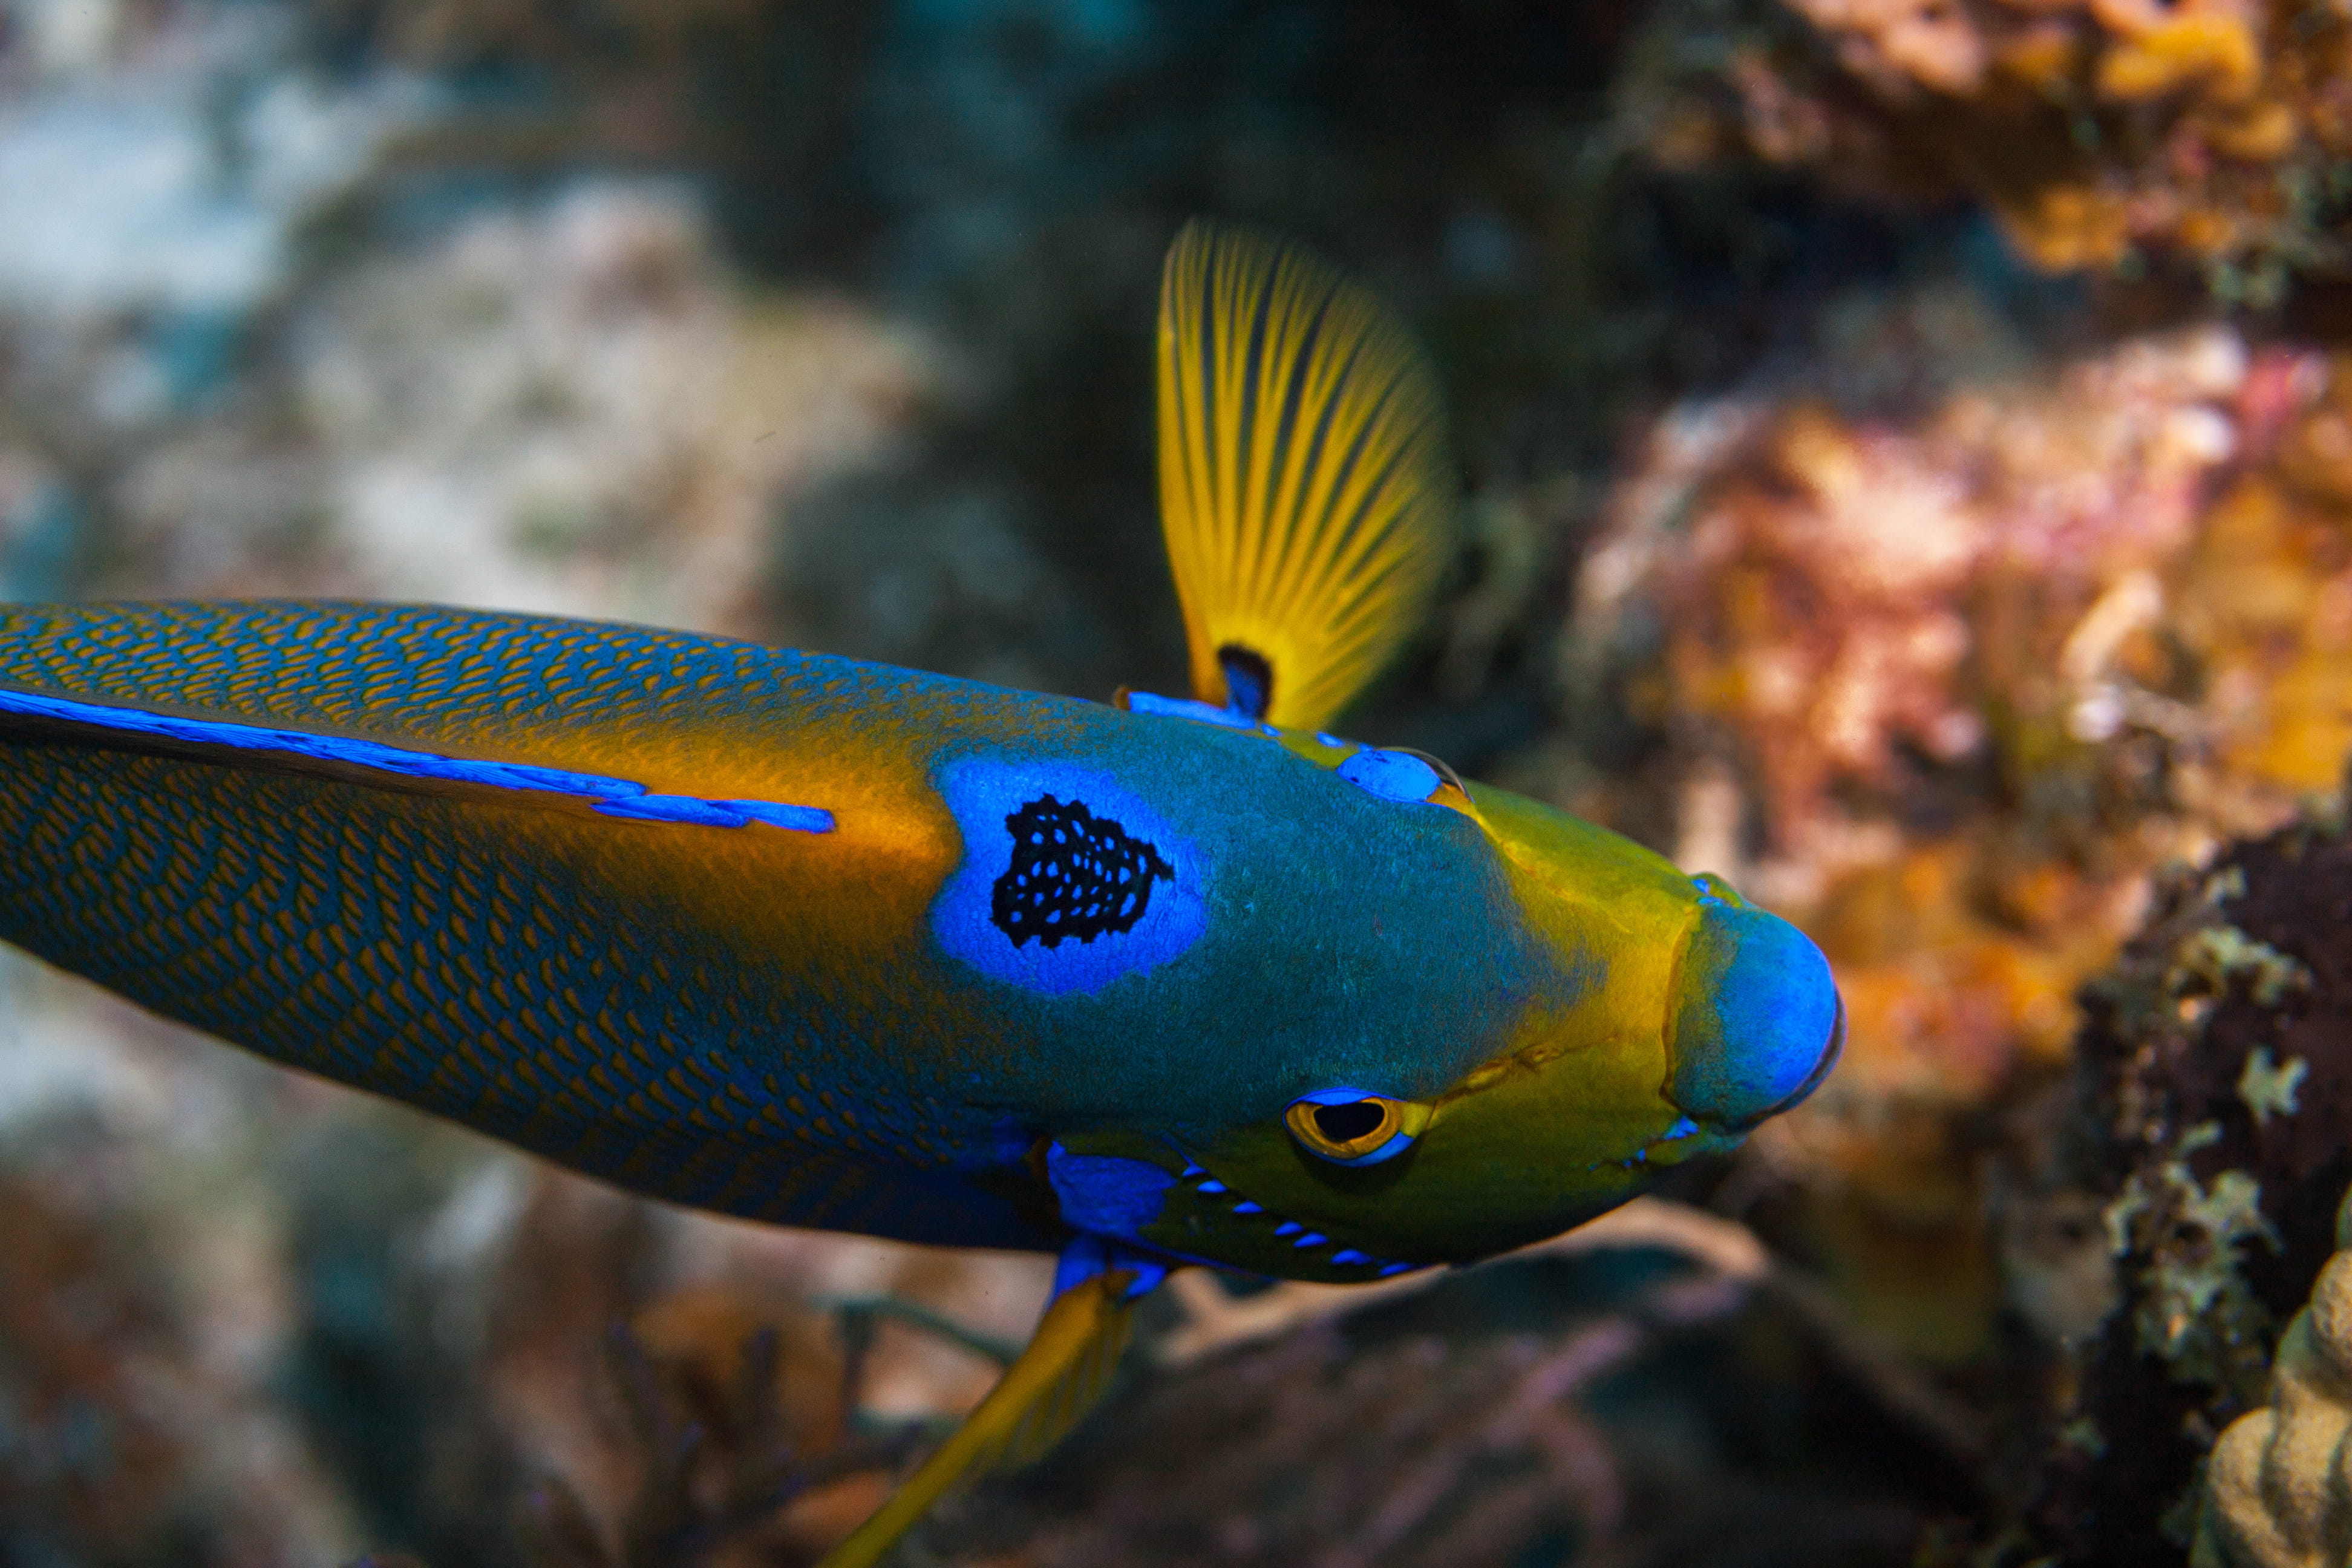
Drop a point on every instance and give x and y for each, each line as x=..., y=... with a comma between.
x=1305, y=487
x=1041, y=1396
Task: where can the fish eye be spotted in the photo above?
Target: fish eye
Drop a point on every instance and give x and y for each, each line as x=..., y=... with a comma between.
x=1354, y=1126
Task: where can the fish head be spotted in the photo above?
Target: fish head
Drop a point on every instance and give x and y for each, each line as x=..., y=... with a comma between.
x=1685, y=1016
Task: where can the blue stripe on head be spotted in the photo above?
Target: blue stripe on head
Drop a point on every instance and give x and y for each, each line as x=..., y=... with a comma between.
x=1390, y=775
x=1067, y=883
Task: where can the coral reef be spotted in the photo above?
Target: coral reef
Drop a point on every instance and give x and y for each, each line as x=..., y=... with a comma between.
x=2208, y=1125
x=1557, y=1428
x=138, y=1417
x=590, y=417
x=742, y=1446
x=1946, y=672
x=2098, y=133
x=2278, y=1487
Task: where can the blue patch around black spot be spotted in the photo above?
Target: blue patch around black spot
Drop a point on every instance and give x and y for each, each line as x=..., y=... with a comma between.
x=985, y=795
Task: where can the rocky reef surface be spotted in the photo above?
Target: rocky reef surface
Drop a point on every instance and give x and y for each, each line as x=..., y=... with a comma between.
x=2205, y=1124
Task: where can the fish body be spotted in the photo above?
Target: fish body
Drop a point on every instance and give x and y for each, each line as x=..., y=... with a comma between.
x=861, y=1025
x=824, y=943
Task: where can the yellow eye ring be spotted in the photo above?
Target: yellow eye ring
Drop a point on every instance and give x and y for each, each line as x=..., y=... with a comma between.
x=1352, y=1127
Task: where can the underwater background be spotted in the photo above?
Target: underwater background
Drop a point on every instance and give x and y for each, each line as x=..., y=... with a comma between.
x=1909, y=447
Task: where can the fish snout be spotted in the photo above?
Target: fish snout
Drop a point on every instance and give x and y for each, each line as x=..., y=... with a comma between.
x=1758, y=1022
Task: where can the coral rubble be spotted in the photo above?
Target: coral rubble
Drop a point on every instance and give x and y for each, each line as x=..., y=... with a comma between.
x=1555, y=1407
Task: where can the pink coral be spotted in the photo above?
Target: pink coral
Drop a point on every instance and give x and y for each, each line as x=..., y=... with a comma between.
x=1902, y=46
x=1967, y=675
x=1831, y=583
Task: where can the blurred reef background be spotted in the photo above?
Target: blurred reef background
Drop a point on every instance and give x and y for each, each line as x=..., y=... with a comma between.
x=1909, y=447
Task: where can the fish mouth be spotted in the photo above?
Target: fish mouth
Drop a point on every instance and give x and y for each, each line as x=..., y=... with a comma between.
x=1756, y=1023
x=1267, y=1225
x=1832, y=1054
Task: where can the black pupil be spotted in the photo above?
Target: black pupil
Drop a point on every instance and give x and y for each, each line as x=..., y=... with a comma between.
x=1345, y=1123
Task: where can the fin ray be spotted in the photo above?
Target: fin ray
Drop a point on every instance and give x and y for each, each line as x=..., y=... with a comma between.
x=1056, y=1381
x=1306, y=493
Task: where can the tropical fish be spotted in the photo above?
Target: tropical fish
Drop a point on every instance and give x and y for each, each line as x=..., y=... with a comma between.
x=1160, y=982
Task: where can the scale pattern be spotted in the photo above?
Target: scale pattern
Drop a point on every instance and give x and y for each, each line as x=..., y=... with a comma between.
x=351, y=667
x=535, y=971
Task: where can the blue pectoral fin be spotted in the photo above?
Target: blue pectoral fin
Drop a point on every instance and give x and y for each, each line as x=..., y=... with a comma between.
x=1090, y=1256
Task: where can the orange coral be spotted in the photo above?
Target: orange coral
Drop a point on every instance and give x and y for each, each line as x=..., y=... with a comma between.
x=1903, y=46
x=2092, y=129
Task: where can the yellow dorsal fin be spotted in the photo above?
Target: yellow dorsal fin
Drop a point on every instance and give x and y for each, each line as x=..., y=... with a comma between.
x=1041, y=1396
x=1305, y=487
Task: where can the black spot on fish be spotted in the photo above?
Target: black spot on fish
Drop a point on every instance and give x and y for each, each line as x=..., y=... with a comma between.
x=1249, y=681
x=1074, y=874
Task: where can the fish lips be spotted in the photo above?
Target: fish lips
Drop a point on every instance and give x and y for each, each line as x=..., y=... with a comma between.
x=1756, y=1023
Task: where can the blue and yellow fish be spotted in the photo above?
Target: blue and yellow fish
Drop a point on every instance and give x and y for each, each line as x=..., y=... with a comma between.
x=821, y=942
